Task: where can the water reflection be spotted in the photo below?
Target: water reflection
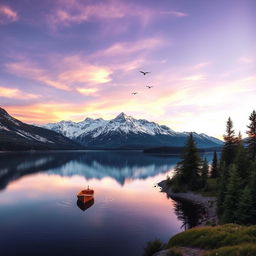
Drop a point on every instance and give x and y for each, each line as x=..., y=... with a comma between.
x=85, y=205
x=40, y=215
x=121, y=166
x=190, y=214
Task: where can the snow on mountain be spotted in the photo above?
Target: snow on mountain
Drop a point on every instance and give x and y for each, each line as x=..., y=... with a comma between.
x=122, y=124
x=72, y=129
x=124, y=131
x=15, y=135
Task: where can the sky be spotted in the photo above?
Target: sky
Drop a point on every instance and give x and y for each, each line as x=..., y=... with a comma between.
x=72, y=59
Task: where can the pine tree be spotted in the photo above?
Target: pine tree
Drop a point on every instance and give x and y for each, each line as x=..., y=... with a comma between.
x=243, y=164
x=222, y=188
x=252, y=185
x=252, y=136
x=188, y=170
x=214, y=166
x=231, y=199
x=204, y=173
x=245, y=207
x=228, y=151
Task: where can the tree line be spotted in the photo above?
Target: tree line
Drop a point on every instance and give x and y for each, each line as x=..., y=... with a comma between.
x=234, y=171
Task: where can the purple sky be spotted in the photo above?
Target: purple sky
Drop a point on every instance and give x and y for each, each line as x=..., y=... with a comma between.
x=70, y=59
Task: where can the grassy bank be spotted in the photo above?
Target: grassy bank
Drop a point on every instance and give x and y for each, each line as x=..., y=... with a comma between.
x=229, y=239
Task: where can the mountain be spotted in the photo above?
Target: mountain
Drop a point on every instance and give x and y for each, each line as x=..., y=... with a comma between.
x=126, y=132
x=16, y=135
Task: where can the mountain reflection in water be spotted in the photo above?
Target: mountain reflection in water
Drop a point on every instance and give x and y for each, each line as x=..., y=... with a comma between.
x=120, y=166
x=40, y=215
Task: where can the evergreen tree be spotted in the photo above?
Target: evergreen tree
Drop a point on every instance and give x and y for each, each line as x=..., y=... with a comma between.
x=188, y=170
x=214, y=166
x=204, y=173
x=252, y=185
x=231, y=199
x=228, y=151
x=245, y=207
x=252, y=136
x=243, y=164
x=222, y=188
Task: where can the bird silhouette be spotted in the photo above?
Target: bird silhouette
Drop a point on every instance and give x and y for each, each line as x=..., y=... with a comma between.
x=134, y=93
x=149, y=87
x=144, y=72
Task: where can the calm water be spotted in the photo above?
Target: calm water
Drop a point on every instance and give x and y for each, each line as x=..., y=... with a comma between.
x=39, y=214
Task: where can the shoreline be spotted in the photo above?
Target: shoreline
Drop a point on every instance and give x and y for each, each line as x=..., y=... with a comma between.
x=208, y=203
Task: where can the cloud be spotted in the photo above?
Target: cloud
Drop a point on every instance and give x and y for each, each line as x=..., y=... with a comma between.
x=74, y=12
x=194, y=78
x=246, y=60
x=67, y=73
x=7, y=15
x=78, y=71
x=174, y=13
x=88, y=91
x=29, y=70
x=201, y=65
x=14, y=93
x=134, y=47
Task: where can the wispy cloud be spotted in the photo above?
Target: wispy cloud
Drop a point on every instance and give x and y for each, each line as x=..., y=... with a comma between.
x=29, y=70
x=7, y=15
x=131, y=48
x=194, y=78
x=73, y=12
x=70, y=73
x=174, y=13
x=246, y=60
x=14, y=93
x=201, y=65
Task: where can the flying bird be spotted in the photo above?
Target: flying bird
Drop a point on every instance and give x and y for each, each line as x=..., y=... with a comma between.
x=144, y=72
x=134, y=93
x=149, y=87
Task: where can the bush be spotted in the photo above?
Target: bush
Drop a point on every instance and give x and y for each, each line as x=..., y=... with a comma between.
x=153, y=247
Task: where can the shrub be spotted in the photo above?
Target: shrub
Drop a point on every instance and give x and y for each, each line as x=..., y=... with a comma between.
x=153, y=247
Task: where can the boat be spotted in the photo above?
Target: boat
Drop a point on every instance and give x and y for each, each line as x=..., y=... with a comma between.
x=85, y=205
x=85, y=195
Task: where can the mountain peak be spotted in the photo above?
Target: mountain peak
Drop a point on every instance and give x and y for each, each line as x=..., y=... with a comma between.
x=3, y=111
x=121, y=117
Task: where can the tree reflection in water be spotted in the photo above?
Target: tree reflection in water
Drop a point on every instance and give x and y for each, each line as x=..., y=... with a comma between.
x=189, y=213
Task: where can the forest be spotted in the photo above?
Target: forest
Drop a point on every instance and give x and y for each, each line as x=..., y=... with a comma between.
x=233, y=172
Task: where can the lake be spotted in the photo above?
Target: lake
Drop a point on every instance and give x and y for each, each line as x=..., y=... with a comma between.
x=40, y=215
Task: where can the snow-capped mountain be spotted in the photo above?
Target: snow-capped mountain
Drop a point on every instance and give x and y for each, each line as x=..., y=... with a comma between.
x=15, y=134
x=72, y=129
x=126, y=132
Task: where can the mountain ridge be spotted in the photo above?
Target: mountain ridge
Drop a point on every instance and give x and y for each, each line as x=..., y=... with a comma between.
x=125, y=131
x=16, y=135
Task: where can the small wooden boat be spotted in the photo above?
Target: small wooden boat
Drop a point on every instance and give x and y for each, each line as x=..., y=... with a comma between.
x=85, y=205
x=85, y=195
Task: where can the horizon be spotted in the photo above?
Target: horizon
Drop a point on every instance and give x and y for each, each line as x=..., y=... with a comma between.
x=73, y=59
x=115, y=116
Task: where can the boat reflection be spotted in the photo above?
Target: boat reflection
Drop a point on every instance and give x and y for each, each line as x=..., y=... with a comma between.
x=84, y=205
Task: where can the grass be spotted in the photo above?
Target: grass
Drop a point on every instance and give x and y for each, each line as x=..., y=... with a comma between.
x=238, y=250
x=229, y=239
x=215, y=237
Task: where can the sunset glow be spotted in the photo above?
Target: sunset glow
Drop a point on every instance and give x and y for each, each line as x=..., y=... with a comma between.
x=72, y=59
